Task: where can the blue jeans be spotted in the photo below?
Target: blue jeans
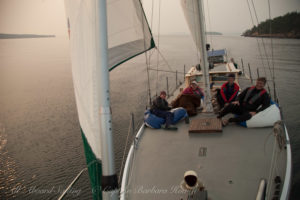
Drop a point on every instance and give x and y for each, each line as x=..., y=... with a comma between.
x=168, y=116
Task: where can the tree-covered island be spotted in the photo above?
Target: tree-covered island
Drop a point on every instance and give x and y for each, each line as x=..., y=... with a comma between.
x=287, y=26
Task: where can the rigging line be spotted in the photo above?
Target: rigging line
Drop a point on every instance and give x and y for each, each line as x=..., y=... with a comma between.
x=267, y=57
x=209, y=23
x=153, y=69
x=263, y=43
x=164, y=59
x=166, y=71
x=148, y=79
x=256, y=37
x=203, y=14
x=195, y=31
x=152, y=8
x=146, y=56
x=272, y=53
x=152, y=14
x=151, y=52
x=258, y=46
x=124, y=152
x=158, y=31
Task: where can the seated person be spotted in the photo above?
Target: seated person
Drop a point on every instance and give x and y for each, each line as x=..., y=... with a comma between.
x=194, y=89
x=160, y=108
x=234, y=63
x=189, y=99
x=228, y=92
x=251, y=101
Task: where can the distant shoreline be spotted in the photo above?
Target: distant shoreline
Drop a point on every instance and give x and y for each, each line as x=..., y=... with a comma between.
x=277, y=35
x=20, y=36
x=213, y=33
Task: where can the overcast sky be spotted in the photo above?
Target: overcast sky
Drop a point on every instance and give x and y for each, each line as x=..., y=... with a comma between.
x=226, y=16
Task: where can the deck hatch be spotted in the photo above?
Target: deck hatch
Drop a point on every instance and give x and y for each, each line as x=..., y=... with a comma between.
x=205, y=125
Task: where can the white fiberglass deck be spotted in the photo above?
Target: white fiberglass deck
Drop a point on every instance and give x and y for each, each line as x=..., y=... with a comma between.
x=230, y=164
x=235, y=162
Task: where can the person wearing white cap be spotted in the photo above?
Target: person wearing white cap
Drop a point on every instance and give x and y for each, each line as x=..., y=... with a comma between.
x=190, y=99
x=194, y=89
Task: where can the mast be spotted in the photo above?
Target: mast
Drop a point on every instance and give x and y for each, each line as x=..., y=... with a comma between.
x=203, y=54
x=193, y=12
x=109, y=182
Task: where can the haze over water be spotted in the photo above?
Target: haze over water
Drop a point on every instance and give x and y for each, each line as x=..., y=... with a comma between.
x=41, y=149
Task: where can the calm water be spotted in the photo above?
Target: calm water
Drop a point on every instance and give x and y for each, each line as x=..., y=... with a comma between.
x=40, y=143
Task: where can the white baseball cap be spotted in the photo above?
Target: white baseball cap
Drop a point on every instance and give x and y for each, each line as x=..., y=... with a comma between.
x=194, y=82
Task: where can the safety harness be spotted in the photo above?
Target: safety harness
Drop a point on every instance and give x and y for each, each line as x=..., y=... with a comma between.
x=255, y=97
x=223, y=91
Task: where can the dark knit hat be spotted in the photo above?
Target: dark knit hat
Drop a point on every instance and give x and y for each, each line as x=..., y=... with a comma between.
x=231, y=75
x=163, y=92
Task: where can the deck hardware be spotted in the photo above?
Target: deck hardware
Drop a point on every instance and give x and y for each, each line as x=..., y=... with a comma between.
x=202, y=151
x=250, y=74
x=205, y=124
x=168, y=94
x=243, y=66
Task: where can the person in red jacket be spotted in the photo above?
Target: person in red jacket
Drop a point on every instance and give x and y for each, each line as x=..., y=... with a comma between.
x=190, y=99
x=251, y=101
x=228, y=92
x=194, y=90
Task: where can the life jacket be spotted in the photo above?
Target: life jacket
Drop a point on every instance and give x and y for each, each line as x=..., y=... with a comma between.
x=223, y=91
x=197, y=92
x=255, y=97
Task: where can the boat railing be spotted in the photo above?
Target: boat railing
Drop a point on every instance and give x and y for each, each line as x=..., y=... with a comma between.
x=261, y=193
x=287, y=179
x=275, y=189
x=127, y=168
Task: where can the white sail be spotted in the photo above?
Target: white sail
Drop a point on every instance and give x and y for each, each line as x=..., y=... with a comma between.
x=96, y=47
x=194, y=15
x=128, y=31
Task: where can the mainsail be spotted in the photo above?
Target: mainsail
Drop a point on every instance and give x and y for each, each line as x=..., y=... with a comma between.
x=127, y=35
x=194, y=15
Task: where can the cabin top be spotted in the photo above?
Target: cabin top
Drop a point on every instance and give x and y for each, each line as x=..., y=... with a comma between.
x=217, y=56
x=218, y=75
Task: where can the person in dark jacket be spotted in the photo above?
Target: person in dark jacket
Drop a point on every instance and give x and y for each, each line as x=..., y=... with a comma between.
x=251, y=101
x=160, y=108
x=228, y=92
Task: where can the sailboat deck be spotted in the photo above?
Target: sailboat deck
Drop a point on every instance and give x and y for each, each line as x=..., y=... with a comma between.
x=230, y=164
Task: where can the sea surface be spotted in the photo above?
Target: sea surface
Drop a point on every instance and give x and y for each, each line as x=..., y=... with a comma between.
x=41, y=150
